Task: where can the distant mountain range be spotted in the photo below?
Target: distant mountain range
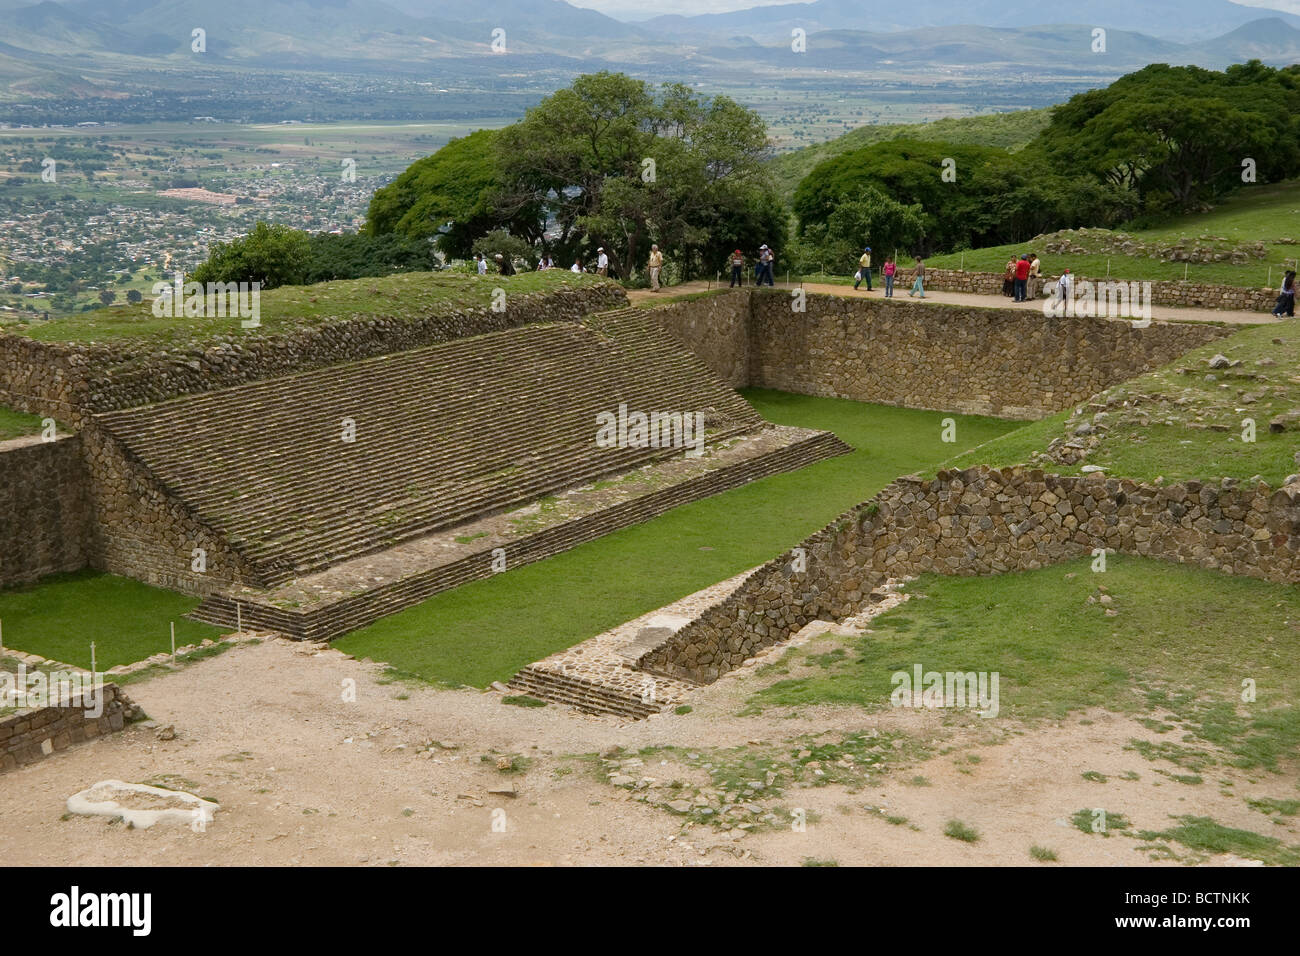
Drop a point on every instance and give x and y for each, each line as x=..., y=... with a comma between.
x=1186, y=21
x=53, y=48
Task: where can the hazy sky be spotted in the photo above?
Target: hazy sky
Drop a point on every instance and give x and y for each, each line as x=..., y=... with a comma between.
x=642, y=9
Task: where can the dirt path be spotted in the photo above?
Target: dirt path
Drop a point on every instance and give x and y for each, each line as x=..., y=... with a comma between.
x=1160, y=312
x=304, y=777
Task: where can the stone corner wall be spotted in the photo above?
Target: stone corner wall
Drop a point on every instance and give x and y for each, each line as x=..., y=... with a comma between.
x=45, y=523
x=33, y=734
x=983, y=521
x=716, y=328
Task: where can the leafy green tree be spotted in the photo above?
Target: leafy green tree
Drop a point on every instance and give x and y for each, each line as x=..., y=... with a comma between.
x=134, y=295
x=272, y=255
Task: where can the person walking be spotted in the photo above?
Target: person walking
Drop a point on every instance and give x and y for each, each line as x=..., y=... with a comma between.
x=602, y=262
x=1035, y=276
x=1009, y=278
x=656, y=264
x=765, y=260
x=864, y=270
x=737, y=261
x=480, y=264
x=1022, y=279
x=504, y=265
x=918, y=284
x=1286, y=297
x=1063, y=287
x=890, y=269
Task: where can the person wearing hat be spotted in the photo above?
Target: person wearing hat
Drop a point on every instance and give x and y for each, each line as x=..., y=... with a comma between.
x=656, y=263
x=768, y=258
x=737, y=268
x=602, y=262
x=504, y=265
x=864, y=270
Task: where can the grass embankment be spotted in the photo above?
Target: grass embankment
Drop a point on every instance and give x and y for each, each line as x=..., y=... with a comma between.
x=1261, y=213
x=128, y=621
x=14, y=424
x=1179, y=644
x=487, y=630
x=408, y=295
x=1182, y=425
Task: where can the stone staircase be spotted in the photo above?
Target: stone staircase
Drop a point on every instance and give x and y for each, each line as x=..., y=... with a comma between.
x=443, y=434
x=582, y=694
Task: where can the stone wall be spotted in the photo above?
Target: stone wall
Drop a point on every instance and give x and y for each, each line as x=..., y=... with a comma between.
x=982, y=521
x=142, y=531
x=1007, y=362
x=1178, y=294
x=68, y=380
x=716, y=328
x=44, y=508
x=33, y=734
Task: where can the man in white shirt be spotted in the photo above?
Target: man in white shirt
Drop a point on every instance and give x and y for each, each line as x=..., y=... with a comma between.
x=656, y=264
x=480, y=264
x=602, y=262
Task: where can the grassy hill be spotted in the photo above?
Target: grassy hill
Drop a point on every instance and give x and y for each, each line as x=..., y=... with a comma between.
x=1181, y=422
x=1234, y=244
x=1011, y=131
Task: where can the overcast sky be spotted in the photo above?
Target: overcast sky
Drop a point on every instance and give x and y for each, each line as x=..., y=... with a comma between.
x=643, y=9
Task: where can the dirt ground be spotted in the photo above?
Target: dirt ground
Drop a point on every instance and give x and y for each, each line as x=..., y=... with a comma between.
x=306, y=778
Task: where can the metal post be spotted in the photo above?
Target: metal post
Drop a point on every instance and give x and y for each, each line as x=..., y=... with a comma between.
x=173, y=642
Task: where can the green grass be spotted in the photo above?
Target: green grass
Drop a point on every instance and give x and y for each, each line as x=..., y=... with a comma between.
x=15, y=424
x=59, y=616
x=960, y=831
x=1261, y=213
x=1180, y=645
x=1169, y=432
x=1042, y=854
x=486, y=630
x=408, y=295
x=1100, y=821
x=1204, y=835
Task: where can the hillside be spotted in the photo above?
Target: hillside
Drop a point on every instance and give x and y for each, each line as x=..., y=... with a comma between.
x=1011, y=131
x=1236, y=243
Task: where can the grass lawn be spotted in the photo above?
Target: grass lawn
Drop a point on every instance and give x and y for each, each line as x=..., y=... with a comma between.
x=1262, y=213
x=1181, y=644
x=128, y=621
x=1182, y=425
x=486, y=630
x=17, y=424
x=404, y=296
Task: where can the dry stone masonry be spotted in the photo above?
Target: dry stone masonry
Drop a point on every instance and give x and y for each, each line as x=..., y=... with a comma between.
x=45, y=523
x=983, y=521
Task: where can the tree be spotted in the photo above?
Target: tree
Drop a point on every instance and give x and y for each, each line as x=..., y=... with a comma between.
x=134, y=295
x=271, y=255
x=108, y=296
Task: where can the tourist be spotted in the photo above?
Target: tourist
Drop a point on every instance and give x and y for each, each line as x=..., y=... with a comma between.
x=737, y=269
x=602, y=262
x=1035, y=277
x=918, y=285
x=1022, y=278
x=1063, y=286
x=577, y=266
x=765, y=261
x=890, y=269
x=656, y=264
x=504, y=265
x=480, y=264
x=1009, y=278
x=864, y=270
x=1286, y=298
x=545, y=263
